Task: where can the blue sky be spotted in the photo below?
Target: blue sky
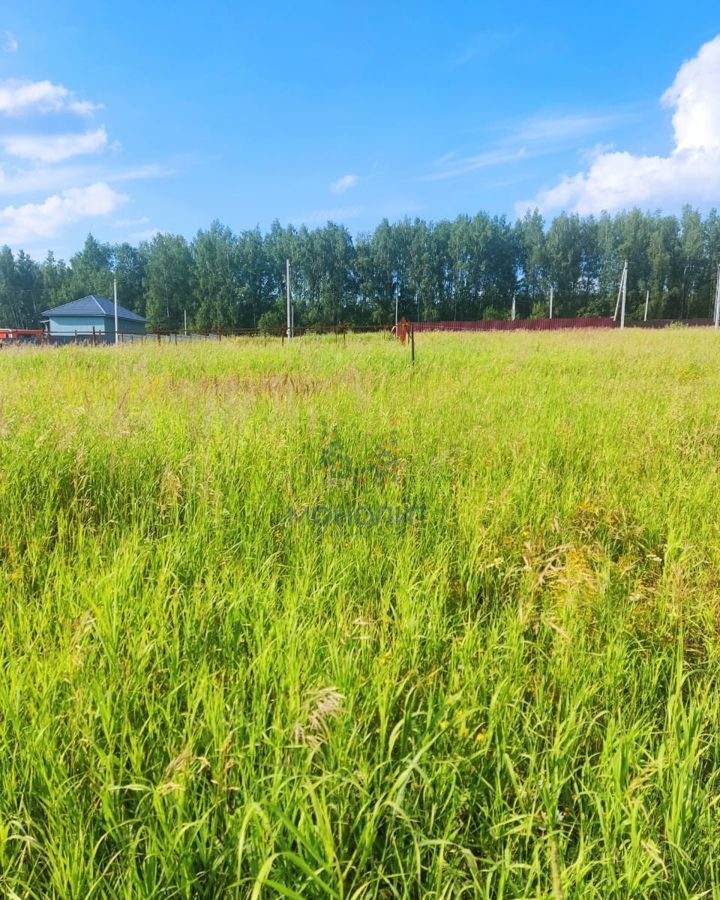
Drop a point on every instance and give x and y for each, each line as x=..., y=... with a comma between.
x=129, y=118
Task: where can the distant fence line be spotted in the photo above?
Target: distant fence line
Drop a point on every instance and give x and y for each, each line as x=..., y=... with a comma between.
x=177, y=336
x=160, y=335
x=165, y=335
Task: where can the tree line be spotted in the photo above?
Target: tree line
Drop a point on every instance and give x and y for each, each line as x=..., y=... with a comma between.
x=467, y=268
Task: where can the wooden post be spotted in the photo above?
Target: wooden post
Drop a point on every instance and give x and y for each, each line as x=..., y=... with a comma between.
x=158, y=333
x=93, y=335
x=344, y=327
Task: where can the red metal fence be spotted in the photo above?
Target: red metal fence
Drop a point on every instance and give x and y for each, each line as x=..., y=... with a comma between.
x=517, y=325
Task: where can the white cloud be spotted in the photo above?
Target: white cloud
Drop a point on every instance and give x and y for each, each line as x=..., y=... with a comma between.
x=695, y=95
x=322, y=216
x=446, y=158
x=450, y=166
x=53, y=178
x=344, y=184
x=14, y=181
x=9, y=42
x=18, y=97
x=39, y=165
x=27, y=223
x=690, y=174
x=52, y=148
x=554, y=129
x=130, y=223
x=150, y=170
x=527, y=139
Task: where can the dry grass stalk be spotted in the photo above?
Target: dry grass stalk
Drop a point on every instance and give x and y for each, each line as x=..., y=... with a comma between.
x=319, y=709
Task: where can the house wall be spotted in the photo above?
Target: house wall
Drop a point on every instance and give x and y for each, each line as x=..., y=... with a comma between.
x=63, y=328
x=68, y=325
x=127, y=326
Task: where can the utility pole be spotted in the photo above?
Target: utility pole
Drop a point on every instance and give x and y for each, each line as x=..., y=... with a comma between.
x=717, y=300
x=287, y=286
x=117, y=337
x=552, y=296
x=513, y=308
x=622, y=295
x=647, y=301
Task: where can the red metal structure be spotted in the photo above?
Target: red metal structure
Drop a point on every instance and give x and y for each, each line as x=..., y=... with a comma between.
x=517, y=324
x=22, y=336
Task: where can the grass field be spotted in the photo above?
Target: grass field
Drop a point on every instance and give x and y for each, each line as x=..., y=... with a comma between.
x=208, y=691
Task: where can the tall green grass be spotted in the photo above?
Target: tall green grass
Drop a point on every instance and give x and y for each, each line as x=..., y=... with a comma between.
x=201, y=696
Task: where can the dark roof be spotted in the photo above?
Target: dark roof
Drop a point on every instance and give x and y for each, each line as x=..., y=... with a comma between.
x=92, y=305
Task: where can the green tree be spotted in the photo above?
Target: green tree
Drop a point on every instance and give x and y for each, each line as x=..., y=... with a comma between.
x=167, y=281
x=530, y=242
